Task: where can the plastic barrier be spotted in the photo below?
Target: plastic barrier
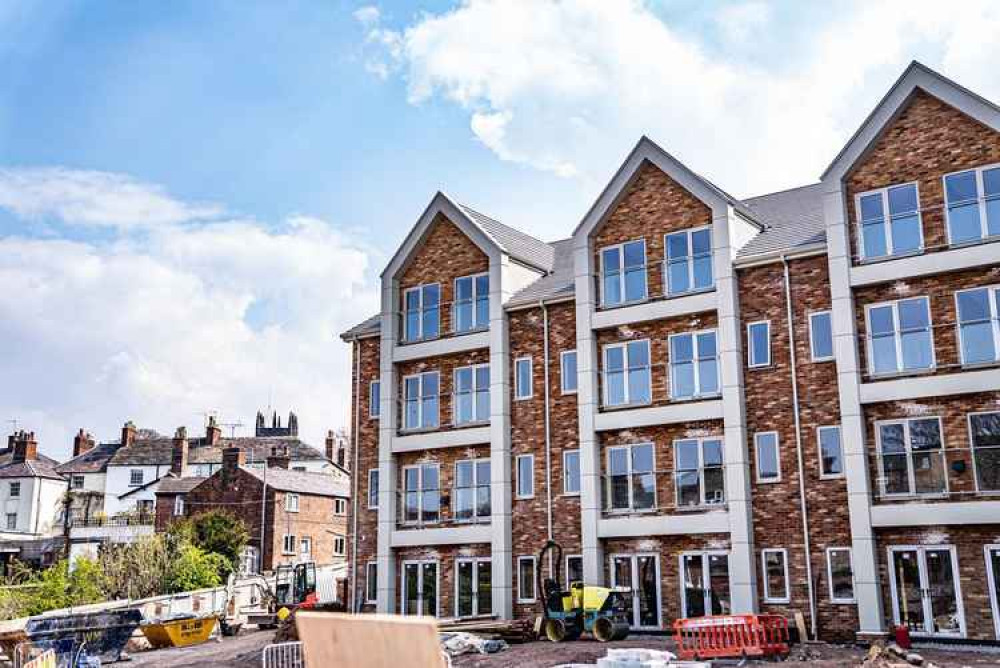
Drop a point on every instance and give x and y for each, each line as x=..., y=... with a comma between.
x=47, y=659
x=103, y=634
x=724, y=636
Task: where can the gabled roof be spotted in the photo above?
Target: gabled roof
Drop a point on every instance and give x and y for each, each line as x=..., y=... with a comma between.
x=158, y=451
x=558, y=283
x=302, y=482
x=370, y=327
x=794, y=220
x=916, y=76
x=94, y=460
x=515, y=243
x=171, y=484
x=40, y=467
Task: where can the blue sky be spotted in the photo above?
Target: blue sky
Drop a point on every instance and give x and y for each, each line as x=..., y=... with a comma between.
x=196, y=196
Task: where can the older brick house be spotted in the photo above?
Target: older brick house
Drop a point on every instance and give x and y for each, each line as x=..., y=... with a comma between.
x=305, y=512
x=785, y=403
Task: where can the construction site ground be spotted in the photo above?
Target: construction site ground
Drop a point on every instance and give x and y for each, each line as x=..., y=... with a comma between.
x=244, y=651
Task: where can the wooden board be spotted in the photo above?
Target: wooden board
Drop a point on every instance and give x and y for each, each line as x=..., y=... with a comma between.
x=368, y=641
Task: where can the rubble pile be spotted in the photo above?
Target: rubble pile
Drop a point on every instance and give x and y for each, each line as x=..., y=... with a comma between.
x=893, y=656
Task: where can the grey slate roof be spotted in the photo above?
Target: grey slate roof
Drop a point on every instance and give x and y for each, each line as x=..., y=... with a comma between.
x=558, y=283
x=172, y=485
x=94, y=460
x=794, y=219
x=520, y=246
x=158, y=451
x=42, y=467
x=369, y=327
x=303, y=482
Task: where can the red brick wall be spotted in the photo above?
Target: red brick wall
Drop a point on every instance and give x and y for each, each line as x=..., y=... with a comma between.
x=366, y=442
x=927, y=141
x=315, y=520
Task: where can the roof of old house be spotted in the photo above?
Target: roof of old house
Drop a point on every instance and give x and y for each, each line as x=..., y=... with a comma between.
x=793, y=220
x=517, y=244
x=158, y=451
x=171, y=484
x=94, y=460
x=42, y=467
x=303, y=482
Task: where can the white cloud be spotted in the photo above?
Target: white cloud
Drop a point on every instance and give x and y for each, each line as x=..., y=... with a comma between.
x=161, y=327
x=568, y=87
x=82, y=197
x=368, y=15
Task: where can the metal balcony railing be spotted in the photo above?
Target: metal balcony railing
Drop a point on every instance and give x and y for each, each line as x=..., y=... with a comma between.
x=935, y=474
x=925, y=360
x=443, y=320
x=424, y=414
x=663, y=492
x=131, y=519
x=636, y=386
x=653, y=281
x=443, y=507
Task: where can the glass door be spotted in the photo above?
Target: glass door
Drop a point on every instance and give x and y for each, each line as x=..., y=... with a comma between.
x=993, y=575
x=925, y=592
x=705, y=584
x=473, y=582
x=639, y=573
x=420, y=586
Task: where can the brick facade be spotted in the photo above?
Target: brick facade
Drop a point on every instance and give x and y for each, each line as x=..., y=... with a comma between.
x=365, y=442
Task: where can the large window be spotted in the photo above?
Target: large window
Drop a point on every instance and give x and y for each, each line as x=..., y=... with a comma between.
x=694, y=365
x=698, y=474
x=889, y=220
x=421, y=494
x=912, y=456
x=135, y=477
x=831, y=454
x=525, y=579
x=420, y=588
x=292, y=503
x=371, y=582
x=288, y=544
x=567, y=371
x=979, y=324
x=473, y=585
x=627, y=373
x=472, y=303
x=472, y=394
x=372, y=489
x=984, y=432
x=768, y=456
x=821, y=336
x=973, y=202
x=623, y=273
x=759, y=344
x=840, y=574
x=339, y=546
x=574, y=569
x=472, y=489
x=571, y=472
x=522, y=378
x=775, y=566
x=422, y=312
x=525, y=476
x=631, y=477
x=420, y=396
x=15, y=489
x=899, y=336
x=689, y=261
x=374, y=397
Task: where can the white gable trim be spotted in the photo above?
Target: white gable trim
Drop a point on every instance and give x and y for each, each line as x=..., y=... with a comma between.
x=916, y=76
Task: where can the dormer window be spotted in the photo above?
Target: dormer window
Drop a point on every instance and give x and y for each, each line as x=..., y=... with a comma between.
x=689, y=261
x=889, y=220
x=472, y=303
x=422, y=312
x=623, y=273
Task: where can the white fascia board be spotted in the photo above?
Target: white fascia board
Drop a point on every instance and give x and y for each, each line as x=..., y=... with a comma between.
x=715, y=521
x=935, y=514
x=655, y=310
x=433, y=440
x=928, y=264
x=463, y=535
x=443, y=346
x=682, y=411
x=964, y=382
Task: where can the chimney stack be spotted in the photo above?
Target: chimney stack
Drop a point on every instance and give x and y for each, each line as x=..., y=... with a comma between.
x=232, y=459
x=82, y=442
x=25, y=447
x=128, y=434
x=213, y=432
x=278, y=459
x=331, y=446
x=179, y=452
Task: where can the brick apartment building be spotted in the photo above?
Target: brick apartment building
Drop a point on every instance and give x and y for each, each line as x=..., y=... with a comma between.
x=784, y=403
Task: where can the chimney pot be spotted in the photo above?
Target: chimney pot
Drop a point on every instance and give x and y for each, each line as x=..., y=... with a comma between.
x=128, y=434
x=232, y=459
x=25, y=447
x=278, y=459
x=179, y=452
x=213, y=432
x=82, y=442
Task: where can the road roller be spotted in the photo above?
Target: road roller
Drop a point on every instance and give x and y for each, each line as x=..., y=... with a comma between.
x=600, y=611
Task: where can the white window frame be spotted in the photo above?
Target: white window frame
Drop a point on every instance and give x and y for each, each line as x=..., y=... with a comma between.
x=420, y=492
x=178, y=505
x=566, y=567
x=291, y=502
x=621, y=273
x=630, y=474
x=756, y=454
x=890, y=246
x=419, y=289
x=474, y=391
x=562, y=372
x=768, y=598
x=751, y=364
x=696, y=363
x=992, y=295
x=371, y=473
x=690, y=260
x=829, y=576
x=374, y=398
x=984, y=235
x=78, y=481
x=306, y=546
x=897, y=336
x=567, y=492
x=343, y=546
x=517, y=482
x=519, y=394
x=285, y=540
x=972, y=451
x=14, y=491
x=11, y=521
x=420, y=402
x=703, y=500
x=473, y=303
x=819, y=449
x=812, y=347
x=908, y=452
x=369, y=567
x=132, y=476
x=534, y=580
x=705, y=556
x=420, y=563
x=992, y=578
x=476, y=562
x=626, y=369
x=339, y=506
x=476, y=484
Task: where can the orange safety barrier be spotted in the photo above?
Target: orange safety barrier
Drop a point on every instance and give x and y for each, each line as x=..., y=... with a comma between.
x=722, y=636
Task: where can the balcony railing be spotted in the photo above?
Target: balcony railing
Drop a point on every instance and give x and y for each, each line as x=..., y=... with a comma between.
x=636, y=386
x=430, y=323
x=656, y=492
x=129, y=520
x=455, y=411
x=929, y=361
x=444, y=507
x=648, y=282
x=935, y=474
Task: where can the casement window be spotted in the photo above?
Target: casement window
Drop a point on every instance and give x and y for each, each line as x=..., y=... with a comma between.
x=571, y=472
x=305, y=548
x=694, y=365
x=371, y=582
x=759, y=344
x=288, y=544
x=900, y=337
x=472, y=303
x=374, y=398
x=292, y=503
x=472, y=394
x=979, y=324
x=631, y=478
x=135, y=477
x=911, y=453
x=339, y=546
x=15, y=490
x=473, y=587
x=831, y=452
x=340, y=506
x=421, y=494
x=627, y=377
x=623, y=273
x=420, y=397
x=178, y=505
x=574, y=569
x=422, y=313
x=775, y=566
x=821, y=336
x=372, y=489
x=145, y=507
x=984, y=434
x=689, y=261
x=698, y=475
x=472, y=489
x=840, y=574
x=768, y=456
x=77, y=482
x=526, y=579
x=11, y=521
x=522, y=378
x=567, y=371
x=889, y=221
x=525, y=476
x=421, y=581
x=973, y=204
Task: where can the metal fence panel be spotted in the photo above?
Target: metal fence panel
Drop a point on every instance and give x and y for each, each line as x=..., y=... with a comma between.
x=284, y=655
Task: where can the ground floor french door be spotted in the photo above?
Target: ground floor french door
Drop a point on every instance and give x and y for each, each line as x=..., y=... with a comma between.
x=993, y=578
x=640, y=573
x=420, y=588
x=473, y=587
x=705, y=584
x=926, y=596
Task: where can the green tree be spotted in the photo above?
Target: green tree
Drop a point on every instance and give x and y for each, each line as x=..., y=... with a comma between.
x=214, y=531
x=193, y=568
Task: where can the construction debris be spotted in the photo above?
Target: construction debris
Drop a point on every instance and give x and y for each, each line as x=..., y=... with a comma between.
x=510, y=631
x=893, y=656
x=456, y=643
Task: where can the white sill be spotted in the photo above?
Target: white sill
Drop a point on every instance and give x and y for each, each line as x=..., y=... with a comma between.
x=820, y=360
x=843, y=601
x=768, y=481
x=701, y=507
x=889, y=257
x=697, y=397
x=565, y=392
x=832, y=476
x=526, y=601
x=530, y=396
x=523, y=498
x=760, y=367
x=571, y=494
x=623, y=304
x=888, y=375
x=784, y=601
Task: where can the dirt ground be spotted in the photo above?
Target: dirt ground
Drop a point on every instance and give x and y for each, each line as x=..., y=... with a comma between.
x=243, y=651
